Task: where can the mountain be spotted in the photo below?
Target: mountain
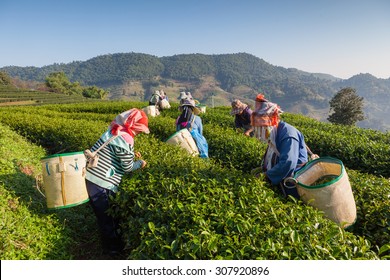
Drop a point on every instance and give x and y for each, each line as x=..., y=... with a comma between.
x=217, y=79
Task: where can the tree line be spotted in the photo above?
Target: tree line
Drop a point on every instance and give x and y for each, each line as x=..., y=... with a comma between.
x=230, y=70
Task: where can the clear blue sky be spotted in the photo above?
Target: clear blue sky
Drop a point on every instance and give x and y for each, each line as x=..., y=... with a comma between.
x=338, y=37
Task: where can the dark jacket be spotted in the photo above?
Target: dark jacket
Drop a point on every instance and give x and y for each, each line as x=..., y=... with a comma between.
x=244, y=119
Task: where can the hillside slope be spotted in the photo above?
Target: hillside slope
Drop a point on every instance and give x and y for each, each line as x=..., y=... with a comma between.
x=134, y=76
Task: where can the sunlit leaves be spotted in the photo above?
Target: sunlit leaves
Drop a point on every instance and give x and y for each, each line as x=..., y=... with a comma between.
x=184, y=207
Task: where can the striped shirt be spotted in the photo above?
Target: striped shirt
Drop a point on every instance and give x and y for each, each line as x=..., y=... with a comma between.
x=115, y=159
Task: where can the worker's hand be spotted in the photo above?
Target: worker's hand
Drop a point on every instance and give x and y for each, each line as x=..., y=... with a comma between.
x=314, y=156
x=249, y=131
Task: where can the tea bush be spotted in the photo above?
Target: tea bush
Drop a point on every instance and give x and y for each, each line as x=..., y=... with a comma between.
x=27, y=229
x=181, y=207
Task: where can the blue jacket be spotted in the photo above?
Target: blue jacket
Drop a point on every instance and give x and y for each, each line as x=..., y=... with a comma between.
x=196, y=123
x=291, y=145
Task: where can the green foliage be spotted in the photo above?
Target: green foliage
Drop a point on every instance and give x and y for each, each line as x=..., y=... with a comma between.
x=9, y=95
x=229, y=70
x=347, y=107
x=188, y=67
x=117, y=68
x=27, y=229
x=4, y=78
x=291, y=88
x=187, y=208
x=59, y=82
x=183, y=207
x=94, y=92
x=57, y=135
x=373, y=218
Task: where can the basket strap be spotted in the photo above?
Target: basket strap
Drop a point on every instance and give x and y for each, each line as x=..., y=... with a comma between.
x=106, y=143
x=309, y=151
x=192, y=122
x=63, y=182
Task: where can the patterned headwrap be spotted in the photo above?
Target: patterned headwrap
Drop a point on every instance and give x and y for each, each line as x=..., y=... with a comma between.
x=132, y=122
x=237, y=107
x=265, y=118
x=266, y=113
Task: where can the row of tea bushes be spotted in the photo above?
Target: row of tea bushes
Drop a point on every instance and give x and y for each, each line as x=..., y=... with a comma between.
x=239, y=152
x=351, y=131
x=73, y=135
x=372, y=196
x=182, y=207
x=99, y=107
x=27, y=230
x=366, y=157
x=23, y=96
x=56, y=134
x=360, y=149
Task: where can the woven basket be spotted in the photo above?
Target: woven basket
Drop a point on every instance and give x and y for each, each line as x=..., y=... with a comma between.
x=64, y=180
x=183, y=138
x=323, y=183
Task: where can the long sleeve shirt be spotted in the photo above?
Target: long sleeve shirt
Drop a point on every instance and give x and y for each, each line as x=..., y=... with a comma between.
x=291, y=146
x=115, y=159
x=195, y=124
x=244, y=119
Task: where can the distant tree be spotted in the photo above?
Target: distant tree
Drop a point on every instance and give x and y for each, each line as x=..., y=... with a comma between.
x=346, y=107
x=4, y=78
x=94, y=92
x=59, y=82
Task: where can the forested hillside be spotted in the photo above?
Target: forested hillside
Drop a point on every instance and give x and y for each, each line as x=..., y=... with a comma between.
x=235, y=75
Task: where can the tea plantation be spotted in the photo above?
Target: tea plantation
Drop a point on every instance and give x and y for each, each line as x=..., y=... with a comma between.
x=9, y=95
x=183, y=207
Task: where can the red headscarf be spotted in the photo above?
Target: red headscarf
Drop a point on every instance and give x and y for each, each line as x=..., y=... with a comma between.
x=133, y=122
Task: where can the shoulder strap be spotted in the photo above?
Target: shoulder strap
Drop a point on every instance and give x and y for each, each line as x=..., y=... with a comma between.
x=309, y=151
x=192, y=122
x=106, y=143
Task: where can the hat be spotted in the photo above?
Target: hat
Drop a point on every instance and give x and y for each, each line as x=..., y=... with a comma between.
x=191, y=103
x=237, y=107
x=184, y=95
x=268, y=108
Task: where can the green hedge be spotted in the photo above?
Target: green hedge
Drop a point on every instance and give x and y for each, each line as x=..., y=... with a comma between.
x=181, y=207
x=27, y=229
